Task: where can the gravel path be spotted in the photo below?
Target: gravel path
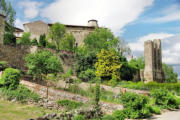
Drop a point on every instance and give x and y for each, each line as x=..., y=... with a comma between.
x=170, y=115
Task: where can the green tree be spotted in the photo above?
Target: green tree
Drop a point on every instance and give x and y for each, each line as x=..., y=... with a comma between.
x=138, y=63
x=42, y=63
x=9, y=39
x=170, y=75
x=7, y=10
x=57, y=32
x=42, y=40
x=108, y=65
x=25, y=39
x=101, y=38
x=68, y=43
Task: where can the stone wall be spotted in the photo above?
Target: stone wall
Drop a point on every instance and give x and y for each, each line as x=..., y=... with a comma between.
x=2, y=25
x=153, y=61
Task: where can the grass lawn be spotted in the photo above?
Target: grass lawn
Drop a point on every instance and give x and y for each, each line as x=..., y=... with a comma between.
x=17, y=111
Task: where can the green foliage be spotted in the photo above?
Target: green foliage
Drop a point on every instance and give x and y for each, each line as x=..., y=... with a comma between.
x=97, y=96
x=43, y=62
x=174, y=87
x=9, y=39
x=119, y=115
x=34, y=42
x=108, y=117
x=88, y=75
x=101, y=38
x=165, y=99
x=25, y=39
x=3, y=65
x=85, y=62
x=10, y=78
x=57, y=32
x=170, y=75
x=68, y=43
x=7, y=10
x=69, y=104
x=42, y=40
x=50, y=45
x=136, y=106
x=138, y=63
x=108, y=65
x=155, y=110
x=79, y=117
x=21, y=94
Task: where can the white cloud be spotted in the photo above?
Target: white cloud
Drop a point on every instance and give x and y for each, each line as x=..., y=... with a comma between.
x=114, y=14
x=171, y=13
x=31, y=8
x=170, y=46
x=19, y=23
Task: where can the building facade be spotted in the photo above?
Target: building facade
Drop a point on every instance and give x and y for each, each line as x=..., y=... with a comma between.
x=38, y=28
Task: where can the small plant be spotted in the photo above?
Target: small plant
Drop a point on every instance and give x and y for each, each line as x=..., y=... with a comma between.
x=108, y=117
x=10, y=78
x=155, y=110
x=69, y=104
x=79, y=117
x=119, y=115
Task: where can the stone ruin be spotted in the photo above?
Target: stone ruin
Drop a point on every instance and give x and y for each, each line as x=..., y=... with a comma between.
x=153, y=62
x=2, y=25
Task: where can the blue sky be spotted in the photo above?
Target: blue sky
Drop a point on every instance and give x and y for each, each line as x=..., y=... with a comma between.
x=133, y=20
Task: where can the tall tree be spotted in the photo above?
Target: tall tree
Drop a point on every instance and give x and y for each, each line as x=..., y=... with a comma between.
x=7, y=10
x=57, y=32
x=68, y=43
x=123, y=48
x=170, y=75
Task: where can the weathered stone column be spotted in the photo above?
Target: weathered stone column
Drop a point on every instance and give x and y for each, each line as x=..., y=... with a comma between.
x=149, y=61
x=2, y=26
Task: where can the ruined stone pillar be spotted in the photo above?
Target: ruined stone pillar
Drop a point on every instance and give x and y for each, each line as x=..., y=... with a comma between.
x=2, y=26
x=153, y=61
x=149, y=61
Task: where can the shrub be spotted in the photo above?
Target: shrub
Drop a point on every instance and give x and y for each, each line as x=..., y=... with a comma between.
x=25, y=39
x=87, y=75
x=3, y=65
x=136, y=106
x=9, y=39
x=108, y=117
x=79, y=117
x=155, y=109
x=10, y=78
x=119, y=115
x=34, y=42
x=21, y=94
x=42, y=40
x=69, y=104
x=50, y=45
x=164, y=98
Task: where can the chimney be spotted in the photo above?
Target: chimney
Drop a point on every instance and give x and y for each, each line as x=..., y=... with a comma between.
x=93, y=23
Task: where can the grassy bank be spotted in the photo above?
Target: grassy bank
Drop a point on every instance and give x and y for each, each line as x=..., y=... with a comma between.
x=16, y=111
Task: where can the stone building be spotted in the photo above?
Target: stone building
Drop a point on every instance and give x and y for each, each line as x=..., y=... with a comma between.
x=153, y=61
x=2, y=25
x=38, y=28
